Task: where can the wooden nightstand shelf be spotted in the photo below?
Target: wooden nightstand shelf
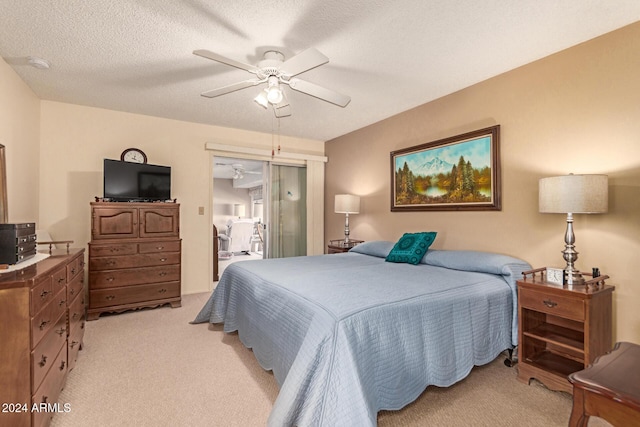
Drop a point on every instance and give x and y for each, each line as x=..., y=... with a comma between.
x=339, y=246
x=561, y=330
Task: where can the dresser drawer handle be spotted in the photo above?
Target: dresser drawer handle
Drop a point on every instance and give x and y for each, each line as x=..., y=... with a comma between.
x=72, y=291
x=549, y=303
x=162, y=273
x=44, y=294
x=111, y=262
x=73, y=344
x=114, y=249
x=73, y=270
x=110, y=297
x=163, y=259
x=162, y=291
x=75, y=316
x=60, y=280
x=43, y=361
x=43, y=324
x=44, y=399
x=110, y=279
x=61, y=331
x=61, y=303
x=159, y=248
x=62, y=365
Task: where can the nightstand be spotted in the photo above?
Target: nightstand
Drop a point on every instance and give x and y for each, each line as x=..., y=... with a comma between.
x=339, y=246
x=561, y=330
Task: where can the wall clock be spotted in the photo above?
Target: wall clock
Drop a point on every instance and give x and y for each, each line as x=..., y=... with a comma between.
x=134, y=155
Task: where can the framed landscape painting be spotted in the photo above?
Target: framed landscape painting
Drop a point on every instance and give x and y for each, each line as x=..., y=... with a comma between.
x=457, y=173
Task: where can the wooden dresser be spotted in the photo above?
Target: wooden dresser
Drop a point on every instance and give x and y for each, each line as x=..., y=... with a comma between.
x=134, y=256
x=42, y=315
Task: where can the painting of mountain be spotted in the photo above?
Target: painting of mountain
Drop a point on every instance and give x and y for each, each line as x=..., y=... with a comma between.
x=452, y=174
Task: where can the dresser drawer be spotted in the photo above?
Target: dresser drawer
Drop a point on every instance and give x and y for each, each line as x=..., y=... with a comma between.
x=59, y=303
x=112, y=249
x=133, y=261
x=42, y=323
x=75, y=287
x=74, y=268
x=571, y=308
x=43, y=356
x=134, y=276
x=77, y=314
x=59, y=279
x=133, y=294
x=49, y=390
x=164, y=246
x=41, y=294
x=75, y=342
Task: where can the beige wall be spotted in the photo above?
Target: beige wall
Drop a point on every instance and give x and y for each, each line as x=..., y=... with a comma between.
x=76, y=139
x=574, y=112
x=19, y=133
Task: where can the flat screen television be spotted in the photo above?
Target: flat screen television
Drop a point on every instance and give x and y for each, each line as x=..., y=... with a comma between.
x=133, y=182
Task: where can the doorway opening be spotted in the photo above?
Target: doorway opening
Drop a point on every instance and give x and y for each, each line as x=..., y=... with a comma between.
x=259, y=210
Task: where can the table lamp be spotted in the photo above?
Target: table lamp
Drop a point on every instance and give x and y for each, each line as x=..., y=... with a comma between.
x=573, y=194
x=347, y=204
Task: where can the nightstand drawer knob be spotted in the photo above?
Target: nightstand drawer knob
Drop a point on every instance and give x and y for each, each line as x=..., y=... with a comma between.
x=550, y=303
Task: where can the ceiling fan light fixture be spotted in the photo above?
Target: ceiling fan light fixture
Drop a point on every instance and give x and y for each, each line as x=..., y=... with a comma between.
x=261, y=99
x=274, y=95
x=274, y=92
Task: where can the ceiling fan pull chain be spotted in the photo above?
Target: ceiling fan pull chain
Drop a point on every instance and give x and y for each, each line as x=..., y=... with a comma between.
x=272, y=139
x=278, y=135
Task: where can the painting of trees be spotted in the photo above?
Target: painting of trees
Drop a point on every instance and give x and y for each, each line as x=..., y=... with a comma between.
x=448, y=175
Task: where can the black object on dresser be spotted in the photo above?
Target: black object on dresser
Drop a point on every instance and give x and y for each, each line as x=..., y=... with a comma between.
x=17, y=242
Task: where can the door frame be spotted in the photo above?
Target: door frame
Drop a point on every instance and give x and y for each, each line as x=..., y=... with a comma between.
x=315, y=188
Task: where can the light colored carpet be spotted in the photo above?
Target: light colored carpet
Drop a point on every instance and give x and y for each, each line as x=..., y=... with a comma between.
x=153, y=368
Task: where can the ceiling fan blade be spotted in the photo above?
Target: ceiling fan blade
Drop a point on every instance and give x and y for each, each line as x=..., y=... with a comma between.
x=304, y=61
x=319, y=92
x=219, y=58
x=230, y=88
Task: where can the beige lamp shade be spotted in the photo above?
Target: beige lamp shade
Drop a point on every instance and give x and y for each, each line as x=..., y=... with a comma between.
x=347, y=203
x=238, y=210
x=574, y=194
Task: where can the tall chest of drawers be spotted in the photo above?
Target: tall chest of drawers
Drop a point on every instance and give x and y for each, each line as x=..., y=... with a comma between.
x=42, y=313
x=134, y=256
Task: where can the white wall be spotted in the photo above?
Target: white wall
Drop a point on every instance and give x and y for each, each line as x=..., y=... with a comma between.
x=75, y=140
x=225, y=197
x=20, y=133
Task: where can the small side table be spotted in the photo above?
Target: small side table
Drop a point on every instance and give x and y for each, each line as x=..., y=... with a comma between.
x=338, y=246
x=609, y=388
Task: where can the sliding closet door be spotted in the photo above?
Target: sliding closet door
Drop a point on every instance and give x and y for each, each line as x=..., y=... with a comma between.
x=287, y=219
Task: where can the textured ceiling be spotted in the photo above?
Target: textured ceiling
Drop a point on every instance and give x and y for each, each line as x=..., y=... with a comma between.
x=389, y=56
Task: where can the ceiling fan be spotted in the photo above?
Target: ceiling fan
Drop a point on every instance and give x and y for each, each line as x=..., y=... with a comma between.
x=276, y=72
x=238, y=170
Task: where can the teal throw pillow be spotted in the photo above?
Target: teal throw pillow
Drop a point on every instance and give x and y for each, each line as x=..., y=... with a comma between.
x=411, y=247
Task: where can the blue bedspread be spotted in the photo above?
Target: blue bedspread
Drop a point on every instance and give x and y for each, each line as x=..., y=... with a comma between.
x=347, y=335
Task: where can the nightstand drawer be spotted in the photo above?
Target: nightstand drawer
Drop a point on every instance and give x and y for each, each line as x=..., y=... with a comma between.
x=557, y=305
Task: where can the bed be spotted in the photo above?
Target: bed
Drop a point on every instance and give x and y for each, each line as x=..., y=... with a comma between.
x=347, y=335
